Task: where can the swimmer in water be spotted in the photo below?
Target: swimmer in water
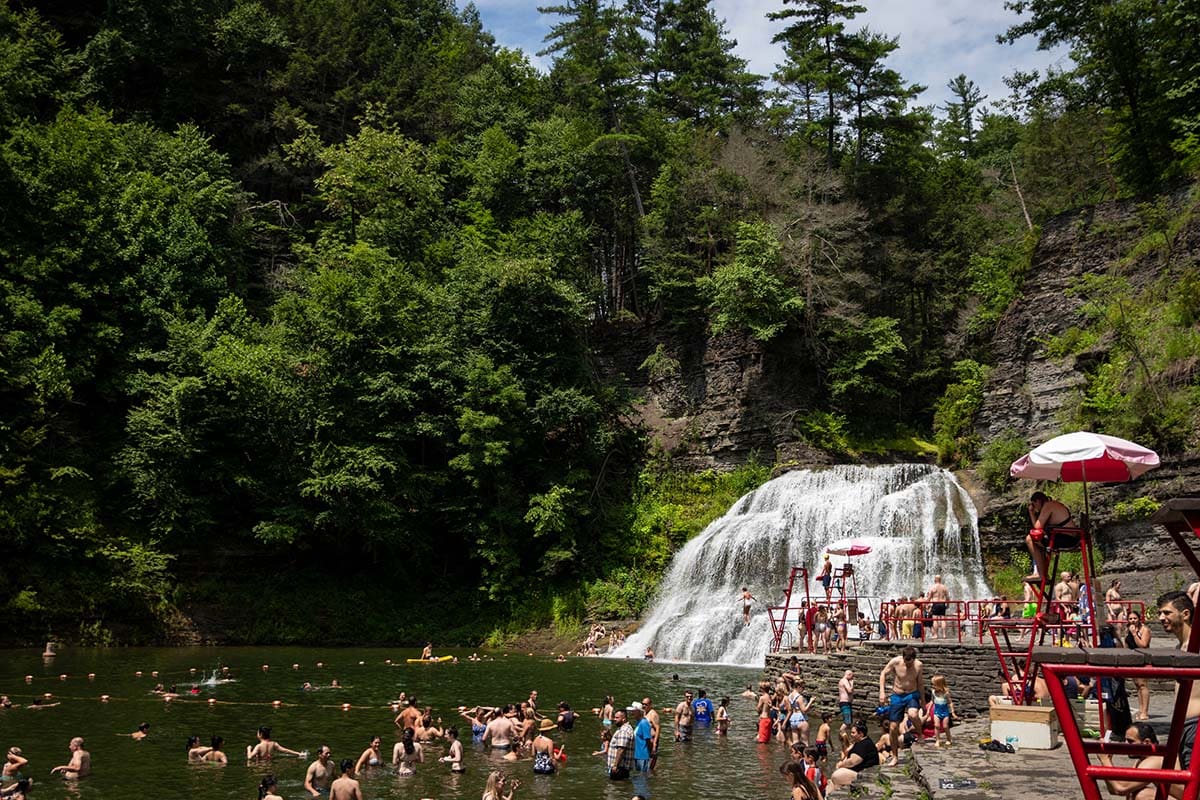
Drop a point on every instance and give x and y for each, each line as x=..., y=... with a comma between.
x=371, y=757
x=215, y=755
x=80, y=765
x=406, y=753
x=142, y=732
x=345, y=787
x=454, y=758
x=13, y=762
x=320, y=773
x=266, y=789
x=196, y=751
x=266, y=747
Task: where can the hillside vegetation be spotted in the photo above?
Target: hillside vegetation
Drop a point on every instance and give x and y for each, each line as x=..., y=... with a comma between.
x=296, y=296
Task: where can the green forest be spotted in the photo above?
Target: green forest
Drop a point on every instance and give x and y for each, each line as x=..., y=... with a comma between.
x=298, y=298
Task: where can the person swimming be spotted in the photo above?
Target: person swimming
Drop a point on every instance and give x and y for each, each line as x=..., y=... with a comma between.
x=215, y=755
x=371, y=757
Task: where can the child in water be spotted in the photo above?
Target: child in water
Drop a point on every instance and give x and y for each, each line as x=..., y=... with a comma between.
x=605, y=738
x=723, y=717
x=943, y=710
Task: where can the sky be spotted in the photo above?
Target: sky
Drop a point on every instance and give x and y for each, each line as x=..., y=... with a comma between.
x=938, y=38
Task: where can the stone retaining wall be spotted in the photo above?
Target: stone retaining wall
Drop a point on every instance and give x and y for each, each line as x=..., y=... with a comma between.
x=972, y=671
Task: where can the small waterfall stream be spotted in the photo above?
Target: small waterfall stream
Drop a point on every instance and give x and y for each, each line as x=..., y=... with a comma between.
x=917, y=519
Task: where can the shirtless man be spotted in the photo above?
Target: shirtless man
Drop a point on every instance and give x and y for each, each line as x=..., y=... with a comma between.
x=684, y=717
x=427, y=651
x=747, y=599
x=1175, y=611
x=320, y=773
x=938, y=596
x=846, y=703
x=345, y=787
x=409, y=716
x=501, y=731
x=656, y=726
x=142, y=732
x=907, y=612
x=80, y=765
x=1044, y=513
x=266, y=747
x=826, y=577
x=1064, y=596
x=908, y=691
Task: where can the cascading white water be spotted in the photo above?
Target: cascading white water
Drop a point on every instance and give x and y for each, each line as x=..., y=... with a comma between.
x=917, y=519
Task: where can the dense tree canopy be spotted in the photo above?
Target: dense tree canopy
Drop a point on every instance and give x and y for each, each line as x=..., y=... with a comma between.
x=312, y=282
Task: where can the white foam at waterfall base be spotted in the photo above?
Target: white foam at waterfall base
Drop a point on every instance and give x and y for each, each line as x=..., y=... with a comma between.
x=917, y=519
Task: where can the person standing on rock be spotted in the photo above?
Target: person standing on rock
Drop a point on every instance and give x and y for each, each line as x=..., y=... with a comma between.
x=939, y=598
x=846, y=703
x=908, y=692
x=747, y=599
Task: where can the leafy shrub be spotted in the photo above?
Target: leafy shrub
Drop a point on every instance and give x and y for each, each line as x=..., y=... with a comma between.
x=825, y=430
x=1137, y=508
x=954, y=415
x=660, y=366
x=998, y=456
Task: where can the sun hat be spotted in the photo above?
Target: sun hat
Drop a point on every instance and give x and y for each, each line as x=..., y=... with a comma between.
x=547, y=725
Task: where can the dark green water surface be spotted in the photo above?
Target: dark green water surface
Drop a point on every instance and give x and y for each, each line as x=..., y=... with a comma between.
x=708, y=767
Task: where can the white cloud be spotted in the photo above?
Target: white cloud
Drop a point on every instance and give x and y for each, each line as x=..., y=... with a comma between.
x=938, y=38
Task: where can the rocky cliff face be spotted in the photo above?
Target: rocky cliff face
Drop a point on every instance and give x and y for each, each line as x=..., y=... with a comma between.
x=1029, y=389
x=1030, y=392
x=730, y=398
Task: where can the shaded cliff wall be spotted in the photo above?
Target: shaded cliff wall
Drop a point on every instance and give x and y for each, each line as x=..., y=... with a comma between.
x=731, y=398
x=1030, y=392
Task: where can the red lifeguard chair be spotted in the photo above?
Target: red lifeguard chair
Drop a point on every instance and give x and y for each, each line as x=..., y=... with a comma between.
x=1017, y=662
x=843, y=593
x=1179, y=516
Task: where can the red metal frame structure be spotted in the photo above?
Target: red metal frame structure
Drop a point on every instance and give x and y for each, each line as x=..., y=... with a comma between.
x=842, y=579
x=1016, y=660
x=1177, y=516
x=779, y=625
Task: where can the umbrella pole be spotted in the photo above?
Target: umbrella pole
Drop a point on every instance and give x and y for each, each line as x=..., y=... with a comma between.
x=1089, y=567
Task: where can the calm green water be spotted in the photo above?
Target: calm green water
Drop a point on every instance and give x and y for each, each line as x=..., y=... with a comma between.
x=707, y=767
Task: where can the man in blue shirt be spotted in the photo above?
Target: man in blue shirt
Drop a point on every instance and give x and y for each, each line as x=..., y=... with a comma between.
x=702, y=708
x=643, y=738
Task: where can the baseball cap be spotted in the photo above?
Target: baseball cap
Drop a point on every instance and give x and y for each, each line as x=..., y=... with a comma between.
x=634, y=706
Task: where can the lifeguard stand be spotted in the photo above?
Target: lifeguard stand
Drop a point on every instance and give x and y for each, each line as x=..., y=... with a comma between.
x=1180, y=517
x=779, y=614
x=843, y=592
x=1018, y=664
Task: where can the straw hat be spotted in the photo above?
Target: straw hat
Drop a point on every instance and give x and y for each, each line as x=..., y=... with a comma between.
x=547, y=725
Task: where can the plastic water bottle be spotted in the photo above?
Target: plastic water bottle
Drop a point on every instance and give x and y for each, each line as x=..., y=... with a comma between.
x=1014, y=742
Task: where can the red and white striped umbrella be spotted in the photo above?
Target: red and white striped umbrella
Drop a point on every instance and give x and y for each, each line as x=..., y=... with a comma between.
x=1084, y=456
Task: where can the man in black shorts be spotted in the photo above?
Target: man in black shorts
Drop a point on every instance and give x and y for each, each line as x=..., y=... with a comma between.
x=939, y=599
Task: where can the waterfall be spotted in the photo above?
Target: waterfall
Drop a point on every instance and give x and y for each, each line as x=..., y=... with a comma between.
x=918, y=521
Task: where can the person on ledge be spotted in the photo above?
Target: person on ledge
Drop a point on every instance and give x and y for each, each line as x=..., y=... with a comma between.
x=1045, y=513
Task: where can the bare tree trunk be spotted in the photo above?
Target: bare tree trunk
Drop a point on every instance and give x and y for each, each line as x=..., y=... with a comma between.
x=1020, y=196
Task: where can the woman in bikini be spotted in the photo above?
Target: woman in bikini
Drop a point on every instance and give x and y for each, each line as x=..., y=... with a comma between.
x=406, y=753
x=371, y=757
